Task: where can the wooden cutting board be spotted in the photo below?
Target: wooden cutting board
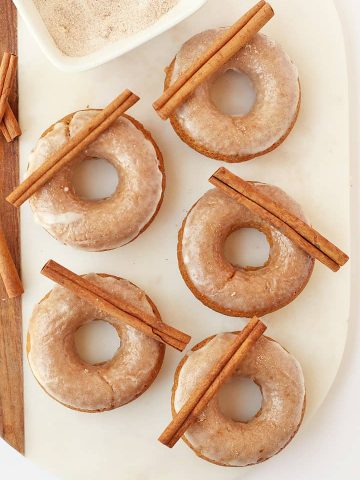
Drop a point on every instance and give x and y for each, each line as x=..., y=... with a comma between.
x=11, y=368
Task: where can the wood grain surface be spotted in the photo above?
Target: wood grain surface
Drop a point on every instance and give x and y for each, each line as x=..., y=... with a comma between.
x=11, y=369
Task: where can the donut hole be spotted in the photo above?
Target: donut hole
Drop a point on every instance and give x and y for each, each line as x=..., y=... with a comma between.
x=247, y=248
x=95, y=179
x=233, y=93
x=240, y=399
x=97, y=342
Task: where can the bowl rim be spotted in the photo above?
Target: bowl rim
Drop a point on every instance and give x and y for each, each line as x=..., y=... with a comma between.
x=63, y=62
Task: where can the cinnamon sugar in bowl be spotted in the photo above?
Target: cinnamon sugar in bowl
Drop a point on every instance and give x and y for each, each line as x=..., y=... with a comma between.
x=78, y=35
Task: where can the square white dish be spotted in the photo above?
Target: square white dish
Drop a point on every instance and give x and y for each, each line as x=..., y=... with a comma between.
x=37, y=27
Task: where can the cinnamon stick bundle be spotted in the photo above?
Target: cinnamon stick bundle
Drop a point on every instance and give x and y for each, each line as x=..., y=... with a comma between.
x=79, y=142
x=7, y=76
x=9, y=126
x=293, y=227
x=210, y=385
x=83, y=288
x=223, y=49
x=8, y=272
x=5, y=132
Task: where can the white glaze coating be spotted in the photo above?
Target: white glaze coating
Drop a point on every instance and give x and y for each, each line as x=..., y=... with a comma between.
x=232, y=443
x=102, y=224
x=276, y=83
x=247, y=292
x=73, y=382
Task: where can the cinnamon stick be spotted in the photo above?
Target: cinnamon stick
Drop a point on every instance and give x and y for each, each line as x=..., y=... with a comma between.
x=224, y=48
x=115, y=307
x=8, y=272
x=293, y=227
x=5, y=132
x=8, y=123
x=7, y=76
x=72, y=148
x=9, y=126
x=210, y=385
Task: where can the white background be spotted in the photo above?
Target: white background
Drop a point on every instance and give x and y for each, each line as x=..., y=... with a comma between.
x=330, y=443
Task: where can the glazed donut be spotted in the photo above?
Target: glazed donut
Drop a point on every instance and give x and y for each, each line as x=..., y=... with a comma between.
x=65, y=376
x=235, y=138
x=232, y=290
x=109, y=223
x=223, y=441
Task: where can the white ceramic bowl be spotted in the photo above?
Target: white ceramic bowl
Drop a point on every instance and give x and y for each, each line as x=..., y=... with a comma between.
x=33, y=20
